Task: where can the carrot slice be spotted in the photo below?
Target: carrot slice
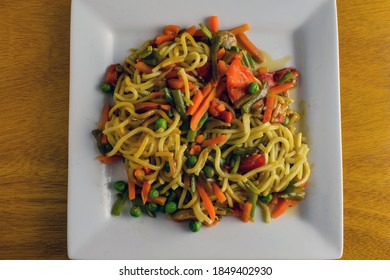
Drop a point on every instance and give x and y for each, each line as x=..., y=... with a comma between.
x=171, y=29
x=214, y=24
x=269, y=103
x=196, y=100
x=218, y=192
x=145, y=191
x=202, y=109
x=216, y=140
x=131, y=186
x=208, y=204
x=199, y=139
x=160, y=200
x=109, y=160
x=164, y=38
x=143, y=67
x=281, y=88
x=240, y=29
x=246, y=212
x=191, y=30
x=280, y=208
x=250, y=47
x=175, y=83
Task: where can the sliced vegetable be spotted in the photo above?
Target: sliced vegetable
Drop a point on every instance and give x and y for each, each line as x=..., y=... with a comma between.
x=192, y=133
x=131, y=187
x=280, y=207
x=240, y=29
x=109, y=160
x=145, y=191
x=269, y=104
x=246, y=212
x=196, y=100
x=164, y=38
x=214, y=24
x=112, y=74
x=238, y=79
x=281, y=88
x=250, y=47
x=251, y=162
x=218, y=193
x=208, y=204
x=216, y=140
x=196, y=117
x=206, y=31
x=143, y=67
x=119, y=204
x=179, y=102
x=171, y=29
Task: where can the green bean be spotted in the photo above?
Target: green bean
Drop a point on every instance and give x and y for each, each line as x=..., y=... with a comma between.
x=168, y=95
x=215, y=45
x=287, y=76
x=253, y=200
x=206, y=31
x=179, y=103
x=119, y=204
x=235, y=163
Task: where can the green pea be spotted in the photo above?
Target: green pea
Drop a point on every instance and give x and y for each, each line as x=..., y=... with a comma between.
x=160, y=123
x=120, y=186
x=191, y=161
x=106, y=87
x=153, y=207
x=195, y=226
x=119, y=69
x=153, y=193
x=171, y=207
x=266, y=199
x=209, y=171
x=135, y=211
x=253, y=87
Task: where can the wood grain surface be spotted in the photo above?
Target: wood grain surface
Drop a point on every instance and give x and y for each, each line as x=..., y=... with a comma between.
x=34, y=81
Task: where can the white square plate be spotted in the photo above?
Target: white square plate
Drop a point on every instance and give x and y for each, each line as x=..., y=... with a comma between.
x=101, y=34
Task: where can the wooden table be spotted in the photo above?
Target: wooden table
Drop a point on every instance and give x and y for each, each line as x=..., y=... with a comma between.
x=34, y=79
